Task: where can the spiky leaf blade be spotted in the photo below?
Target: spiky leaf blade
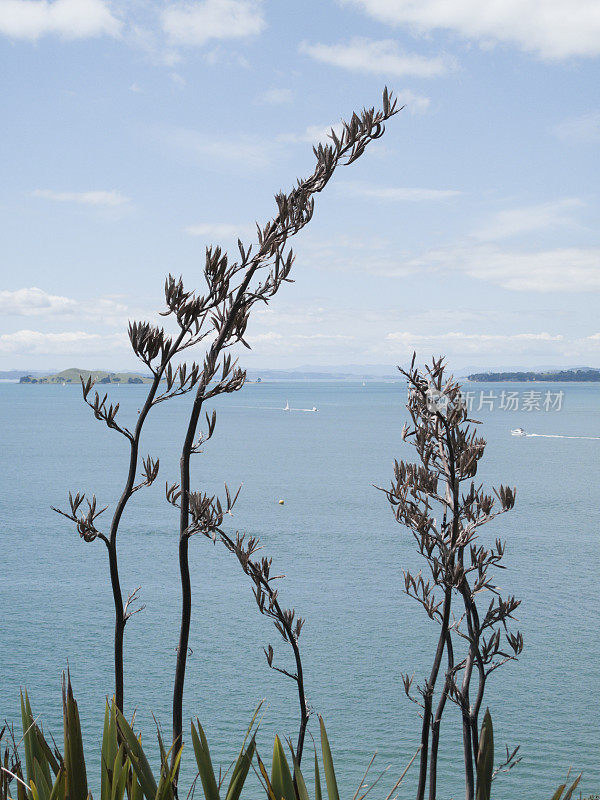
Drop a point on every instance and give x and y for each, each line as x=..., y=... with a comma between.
x=330, y=779
x=138, y=759
x=203, y=760
x=76, y=777
x=318, y=792
x=281, y=777
x=301, y=789
x=572, y=788
x=240, y=772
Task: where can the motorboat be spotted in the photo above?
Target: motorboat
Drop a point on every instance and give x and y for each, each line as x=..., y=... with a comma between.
x=518, y=432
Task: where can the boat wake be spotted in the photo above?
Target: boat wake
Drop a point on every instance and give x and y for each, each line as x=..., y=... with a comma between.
x=558, y=436
x=279, y=408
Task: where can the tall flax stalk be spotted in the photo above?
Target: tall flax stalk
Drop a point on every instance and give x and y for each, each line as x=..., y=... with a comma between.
x=259, y=275
x=156, y=350
x=218, y=318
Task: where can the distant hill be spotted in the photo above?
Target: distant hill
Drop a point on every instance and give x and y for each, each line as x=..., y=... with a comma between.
x=99, y=376
x=557, y=376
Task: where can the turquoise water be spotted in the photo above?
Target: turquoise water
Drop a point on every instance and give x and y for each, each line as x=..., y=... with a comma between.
x=343, y=555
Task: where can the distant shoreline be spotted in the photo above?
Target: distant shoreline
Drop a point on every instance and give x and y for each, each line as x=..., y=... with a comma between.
x=105, y=377
x=562, y=376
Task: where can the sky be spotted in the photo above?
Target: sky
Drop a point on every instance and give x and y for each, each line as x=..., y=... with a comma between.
x=136, y=133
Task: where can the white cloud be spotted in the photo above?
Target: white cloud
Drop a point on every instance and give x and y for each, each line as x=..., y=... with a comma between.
x=515, y=221
x=34, y=302
x=457, y=336
x=221, y=230
x=580, y=130
x=276, y=97
x=553, y=29
x=560, y=270
x=111, y=199
x=71, y=19
x=395, y=193
x=460, y=343
x=71, y=343
x=195, y=23
x=110, y=311
x=271, y=336
x=414, y=103
x=383, y=57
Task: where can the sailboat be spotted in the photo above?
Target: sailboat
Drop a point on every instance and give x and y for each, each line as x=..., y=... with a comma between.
x=287, y=406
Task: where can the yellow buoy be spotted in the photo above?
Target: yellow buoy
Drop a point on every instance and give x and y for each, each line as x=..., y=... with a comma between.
x=281, y=502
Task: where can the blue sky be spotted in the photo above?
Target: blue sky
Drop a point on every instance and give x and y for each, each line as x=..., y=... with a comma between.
x=135, y=133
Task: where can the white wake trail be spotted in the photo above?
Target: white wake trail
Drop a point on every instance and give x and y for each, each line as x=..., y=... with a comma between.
x=559, y=436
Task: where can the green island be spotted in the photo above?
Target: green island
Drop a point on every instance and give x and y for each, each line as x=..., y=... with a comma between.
x=559, y=376
x=98, y=376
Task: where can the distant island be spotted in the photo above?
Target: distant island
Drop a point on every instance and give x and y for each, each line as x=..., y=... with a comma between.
x=99, y=376
x=581, y=374
x=253, y=376
x=559, y=376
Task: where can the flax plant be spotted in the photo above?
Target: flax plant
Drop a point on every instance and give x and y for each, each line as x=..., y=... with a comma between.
x=442, y=505
x=218, y=319
x=253, y=278
x=156, y=350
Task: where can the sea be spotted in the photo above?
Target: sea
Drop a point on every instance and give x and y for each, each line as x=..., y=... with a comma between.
x=342, y=553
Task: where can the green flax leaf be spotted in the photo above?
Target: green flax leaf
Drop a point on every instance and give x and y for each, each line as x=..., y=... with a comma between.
x=281, y=777
x=203, y=760
x=332, y=788
x=138, y=759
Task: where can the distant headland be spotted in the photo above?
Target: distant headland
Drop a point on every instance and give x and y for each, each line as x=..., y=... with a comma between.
x=99, y=376
x=73, y=375
x=351, y=373
x=559, y=376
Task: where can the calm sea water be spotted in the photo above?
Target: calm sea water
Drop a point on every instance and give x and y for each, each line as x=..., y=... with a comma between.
x=343, y=555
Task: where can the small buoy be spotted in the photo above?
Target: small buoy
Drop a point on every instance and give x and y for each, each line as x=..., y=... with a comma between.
x=281, y=502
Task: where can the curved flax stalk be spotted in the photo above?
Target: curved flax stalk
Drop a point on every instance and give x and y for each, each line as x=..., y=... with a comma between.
x=267, y=600
x=86, y=526
x=295, y=210
x=128, y=491
x=156, y=350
